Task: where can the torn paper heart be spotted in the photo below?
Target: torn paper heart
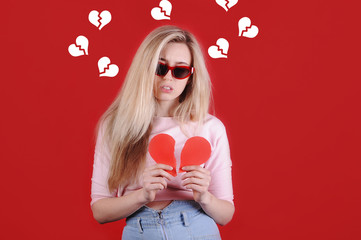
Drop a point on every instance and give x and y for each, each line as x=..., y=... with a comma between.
x=106, y=69
x=226, y=4
x=99, y=20
x=220, y=50
x=80, y=47
x=161, y=149
x=163, y=11
x=245, y=28
x=196, y=151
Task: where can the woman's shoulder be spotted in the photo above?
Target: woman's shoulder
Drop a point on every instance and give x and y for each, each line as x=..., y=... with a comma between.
x=213, y=126
x=213, y=122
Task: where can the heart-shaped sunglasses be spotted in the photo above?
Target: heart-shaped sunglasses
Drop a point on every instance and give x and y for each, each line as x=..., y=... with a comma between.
x=178, y=72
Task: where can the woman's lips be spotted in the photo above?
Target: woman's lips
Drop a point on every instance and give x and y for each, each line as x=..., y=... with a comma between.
x=166, y=89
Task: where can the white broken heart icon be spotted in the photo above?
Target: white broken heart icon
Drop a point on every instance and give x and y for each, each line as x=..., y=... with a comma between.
x=99, y=20
x=219, y=50
x=245, y=29
x=226, y=4
x=80, y=47
x=106, y=69
x=163, y=11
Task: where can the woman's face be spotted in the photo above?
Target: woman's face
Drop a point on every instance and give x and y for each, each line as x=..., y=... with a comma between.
x=168, y=88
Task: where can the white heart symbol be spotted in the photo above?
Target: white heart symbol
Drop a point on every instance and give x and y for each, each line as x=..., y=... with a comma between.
x=163, y=11
x=99, y=20
x=106, y=69
x=226, y=4
x=80, y=47
x=220, y=50
x=245, y=29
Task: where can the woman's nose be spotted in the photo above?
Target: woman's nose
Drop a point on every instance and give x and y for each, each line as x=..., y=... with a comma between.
x=168, y=76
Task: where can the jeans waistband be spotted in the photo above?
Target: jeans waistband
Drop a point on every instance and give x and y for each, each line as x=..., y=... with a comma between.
x=176, y=212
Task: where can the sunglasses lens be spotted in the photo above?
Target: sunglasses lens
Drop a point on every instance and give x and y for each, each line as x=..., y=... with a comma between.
x=181, y=72
x=162, y=69
x=177, y=72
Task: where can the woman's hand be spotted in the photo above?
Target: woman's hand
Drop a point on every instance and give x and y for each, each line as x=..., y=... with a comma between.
x=197, y=179
x=154, y=180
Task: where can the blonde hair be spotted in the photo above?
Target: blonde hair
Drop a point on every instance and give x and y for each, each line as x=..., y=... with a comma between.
x=127, y=122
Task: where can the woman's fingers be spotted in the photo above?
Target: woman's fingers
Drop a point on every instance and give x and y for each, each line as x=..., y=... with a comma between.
x=194, y=168
x=197, y=181
x=162, y=166
x=161, y=173
x=196, y=178
x=159, y=170
x=196, y=188
x=156, y=180
x=155, y=186
x=196, y=174
x=196, y=171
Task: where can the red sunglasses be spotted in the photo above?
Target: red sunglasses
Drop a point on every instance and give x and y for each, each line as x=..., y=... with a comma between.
x=178, y=72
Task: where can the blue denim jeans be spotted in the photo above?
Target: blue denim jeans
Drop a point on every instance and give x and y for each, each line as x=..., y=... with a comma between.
x=181, y=220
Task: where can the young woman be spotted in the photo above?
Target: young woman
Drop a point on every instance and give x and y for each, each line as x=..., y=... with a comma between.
x=166, y=91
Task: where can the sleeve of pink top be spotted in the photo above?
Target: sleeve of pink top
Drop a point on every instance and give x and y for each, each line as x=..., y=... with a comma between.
x=99, y=186
x=220, y=166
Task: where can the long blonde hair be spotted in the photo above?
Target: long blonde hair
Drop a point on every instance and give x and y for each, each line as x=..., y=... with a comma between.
x=127, y=122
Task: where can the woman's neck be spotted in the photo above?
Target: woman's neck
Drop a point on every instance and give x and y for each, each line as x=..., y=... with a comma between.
x=166, y=108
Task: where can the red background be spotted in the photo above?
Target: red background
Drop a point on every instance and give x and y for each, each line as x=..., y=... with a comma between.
x=290, y=99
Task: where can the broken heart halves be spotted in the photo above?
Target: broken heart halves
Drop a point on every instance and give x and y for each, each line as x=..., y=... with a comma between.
x=245, y=30
x=163, y=11
x=196, y=151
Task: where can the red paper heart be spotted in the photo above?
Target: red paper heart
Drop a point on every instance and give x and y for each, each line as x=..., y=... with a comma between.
x=196, y=151
x=161, y=148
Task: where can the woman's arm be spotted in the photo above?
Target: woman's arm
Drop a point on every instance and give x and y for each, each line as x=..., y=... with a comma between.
x=198, y=179
x=220, y=210
x=112, y=209
x=116, y=208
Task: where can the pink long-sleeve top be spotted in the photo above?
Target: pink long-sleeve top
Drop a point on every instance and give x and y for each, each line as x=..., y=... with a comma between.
x=219, y=164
